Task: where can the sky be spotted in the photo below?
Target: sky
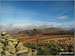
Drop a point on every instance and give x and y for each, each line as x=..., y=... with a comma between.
x=32, y=12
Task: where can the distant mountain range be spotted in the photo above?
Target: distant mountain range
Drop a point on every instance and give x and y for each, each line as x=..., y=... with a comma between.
x=47, y=31
x=13, y=28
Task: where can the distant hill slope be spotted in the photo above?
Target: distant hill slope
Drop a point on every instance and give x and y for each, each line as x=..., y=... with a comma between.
x=47, y=31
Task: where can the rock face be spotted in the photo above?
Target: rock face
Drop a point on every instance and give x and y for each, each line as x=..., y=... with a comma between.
x=12, y=47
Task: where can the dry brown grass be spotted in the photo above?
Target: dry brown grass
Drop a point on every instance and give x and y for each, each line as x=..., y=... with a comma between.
x=46, y=38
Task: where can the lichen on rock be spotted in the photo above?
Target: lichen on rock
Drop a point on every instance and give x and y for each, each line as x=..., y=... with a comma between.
x=12, y=47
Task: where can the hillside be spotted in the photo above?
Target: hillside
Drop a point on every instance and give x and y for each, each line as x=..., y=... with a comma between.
x=47, y=31
x=47, y=41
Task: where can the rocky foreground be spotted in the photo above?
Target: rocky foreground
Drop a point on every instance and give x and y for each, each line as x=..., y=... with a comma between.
x=12, y=47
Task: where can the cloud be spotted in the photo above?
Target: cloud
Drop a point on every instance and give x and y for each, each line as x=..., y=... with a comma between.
x=62, y=17
x=12, y=27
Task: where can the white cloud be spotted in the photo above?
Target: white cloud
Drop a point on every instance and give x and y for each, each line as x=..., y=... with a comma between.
x=62, y=17
x=12, y=27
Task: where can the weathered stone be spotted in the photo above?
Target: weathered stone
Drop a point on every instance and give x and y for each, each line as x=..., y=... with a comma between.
x=11, y=47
